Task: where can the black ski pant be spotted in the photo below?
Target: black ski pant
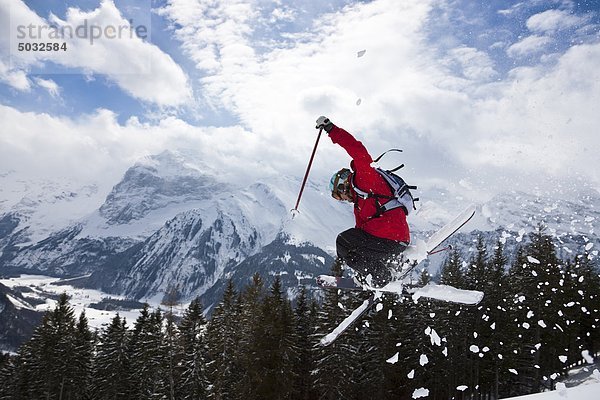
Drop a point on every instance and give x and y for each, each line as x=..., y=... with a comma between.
x=367, y=254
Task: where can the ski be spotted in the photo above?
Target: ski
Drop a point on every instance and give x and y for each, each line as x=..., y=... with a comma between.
x=412, y=256
x=350, y=319
x=450, y=228
x=432, y=291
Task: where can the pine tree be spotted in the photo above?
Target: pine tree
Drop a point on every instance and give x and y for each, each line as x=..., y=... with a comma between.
x=148, y=359
x=302, y=362
x=170, y=346
x=250, y=331
x=193, y=379
x=518, y=344
x=50, y=359
x=546, y=269
x=222, y=335
x=84, y=347
x=534, y=282
x=374, y=341
x=424, y=278
x=495, y=278
x=496, y=319
x=171, y=354
x=111, y=368
x=451, y=273
x=333, y=369
x=453, y=322
x=588, y=284
x=476, y=272
x=276, y=345
x=9, y=377
x=578, y=311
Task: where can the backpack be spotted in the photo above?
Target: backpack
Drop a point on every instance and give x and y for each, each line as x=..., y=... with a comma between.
x=401, y=195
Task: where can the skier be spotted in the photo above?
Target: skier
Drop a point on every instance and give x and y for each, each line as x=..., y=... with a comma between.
x=378, y=236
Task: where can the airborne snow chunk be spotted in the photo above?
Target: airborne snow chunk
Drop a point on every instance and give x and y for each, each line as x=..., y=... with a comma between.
x=393, y=359
x=433, y=336
x=421, y=392
x=587, y=357
x=533, y=260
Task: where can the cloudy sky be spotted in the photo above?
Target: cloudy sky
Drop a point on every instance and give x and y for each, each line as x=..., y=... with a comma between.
x=481, y=95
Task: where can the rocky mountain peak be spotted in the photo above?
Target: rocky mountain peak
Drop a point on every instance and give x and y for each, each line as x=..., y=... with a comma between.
x=157, y=181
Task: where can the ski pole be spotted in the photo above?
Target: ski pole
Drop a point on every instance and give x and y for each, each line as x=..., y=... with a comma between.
x=312, y=156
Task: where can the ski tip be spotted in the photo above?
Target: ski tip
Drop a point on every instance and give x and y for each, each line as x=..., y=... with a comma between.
x=471, y=210
x=327, y=340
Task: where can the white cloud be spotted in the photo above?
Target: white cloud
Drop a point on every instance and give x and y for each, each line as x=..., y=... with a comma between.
x=533, y=122
x=48, y=84
x=475, y=65
x=544, y=120
x=139, y=68
x=408, y=97
x=550, y=21
x=214, y=33
x=96, y=148
x=529, y=45
x=282, y=14
x=17, y=79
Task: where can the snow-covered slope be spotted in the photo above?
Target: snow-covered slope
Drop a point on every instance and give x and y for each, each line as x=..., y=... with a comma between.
x=42, y=206
x=583, y=392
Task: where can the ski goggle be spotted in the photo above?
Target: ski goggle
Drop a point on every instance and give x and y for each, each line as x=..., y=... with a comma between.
x=339, y=184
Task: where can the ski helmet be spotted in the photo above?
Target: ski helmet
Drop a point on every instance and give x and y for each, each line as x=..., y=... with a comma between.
x=340, y=184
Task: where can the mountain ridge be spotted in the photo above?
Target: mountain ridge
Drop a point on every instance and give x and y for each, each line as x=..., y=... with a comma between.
x=172, y=221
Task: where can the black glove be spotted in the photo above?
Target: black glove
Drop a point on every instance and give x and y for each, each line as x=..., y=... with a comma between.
x=325, y=123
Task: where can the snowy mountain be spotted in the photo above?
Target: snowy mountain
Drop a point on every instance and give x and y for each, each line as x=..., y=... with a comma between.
x=36, y=208
x=174, y=222
x=156, y=183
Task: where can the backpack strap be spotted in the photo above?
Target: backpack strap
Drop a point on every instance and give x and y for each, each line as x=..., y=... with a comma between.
x=384, y=153
x=391, y=204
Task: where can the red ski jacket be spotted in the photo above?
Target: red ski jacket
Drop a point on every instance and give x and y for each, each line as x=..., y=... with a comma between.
x=391, y=224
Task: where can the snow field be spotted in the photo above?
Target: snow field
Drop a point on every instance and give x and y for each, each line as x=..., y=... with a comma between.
x=80, y=299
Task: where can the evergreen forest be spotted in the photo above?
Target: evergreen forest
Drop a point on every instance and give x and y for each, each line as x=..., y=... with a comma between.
x=539, y=317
